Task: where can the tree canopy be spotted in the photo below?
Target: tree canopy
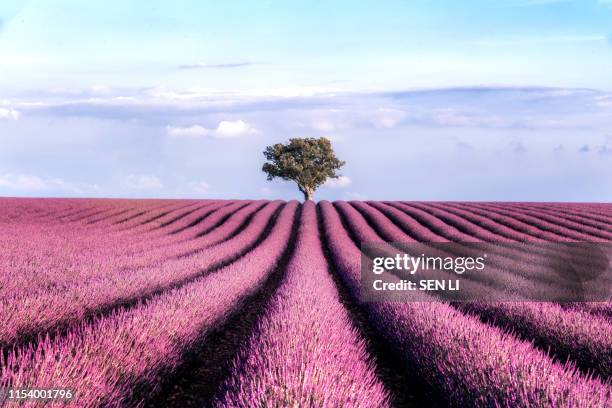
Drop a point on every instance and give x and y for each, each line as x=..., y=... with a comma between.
x=307, y=161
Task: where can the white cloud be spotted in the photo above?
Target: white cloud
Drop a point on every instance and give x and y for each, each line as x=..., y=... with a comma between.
x=292, y=91
x=389, y=118
x=201, y=187
x=547, y=123
x=225, y=130
x=142, y=182
x=216, y=94
x=604, y=101
x=339, y=182
x=100, y=89
x=187, y=132
x=9, y=114
x=452, y=118
x=23, y=182
x=28, y=182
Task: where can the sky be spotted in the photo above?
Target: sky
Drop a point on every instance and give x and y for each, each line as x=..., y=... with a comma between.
x=424, y=100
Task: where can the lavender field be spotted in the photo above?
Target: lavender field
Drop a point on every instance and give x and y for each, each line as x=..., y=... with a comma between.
x=226, y=303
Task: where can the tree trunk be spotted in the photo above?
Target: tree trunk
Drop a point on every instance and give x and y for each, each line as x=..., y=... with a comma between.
x=307, y=194
x=307, y=191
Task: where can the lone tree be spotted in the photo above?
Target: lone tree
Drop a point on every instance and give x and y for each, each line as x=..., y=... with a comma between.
x=308, y=162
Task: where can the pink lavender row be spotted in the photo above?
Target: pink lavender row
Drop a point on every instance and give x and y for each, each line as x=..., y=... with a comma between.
x=119, y=212
x=118, y=216
x=471, y=222
x=197, y=224
x=133, y=222
x=506, y=222
x=109, y=210
x=50, y=209
x=304, y=351
x=38, y=258
x=17, y=209
x=47, y=265
x=175, y=227
x=158, y=224
x=175, y=230
x=216, y=228
x=577, y=218
x=569, y=334
x=106, y=361
x=464, y=362
x=480, y=224
x=462, y=226
x=552, y=224
x=557, y=219
x=225, y=223
x=601, y=309
x=154, y=215
x=454, y=216
x=30, y=314
x=387, y=215
x=594, y=211
x=527, y=231
x=435, y=225
x=34, y=251
x=62, y=266
x=483, y=228
x=46, y=236
x=536, y=263
x=480, y=228
x=591, y=211
x=535, y=228
x=127, y=221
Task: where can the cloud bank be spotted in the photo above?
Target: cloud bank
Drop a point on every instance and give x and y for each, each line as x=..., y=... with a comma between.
x=30, y=183
x=478, y=143
x=9, y=114
x=224, y=130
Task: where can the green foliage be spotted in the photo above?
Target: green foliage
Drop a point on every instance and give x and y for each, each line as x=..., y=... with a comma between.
x=308, y=162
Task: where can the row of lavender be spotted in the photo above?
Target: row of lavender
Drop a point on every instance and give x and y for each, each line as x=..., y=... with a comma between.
x=155, y=262
x=106, y=359
x=468, y=362
x=569, y=334
x=69, y=295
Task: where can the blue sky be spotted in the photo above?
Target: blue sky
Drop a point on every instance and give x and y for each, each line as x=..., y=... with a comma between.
x=479, y=100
